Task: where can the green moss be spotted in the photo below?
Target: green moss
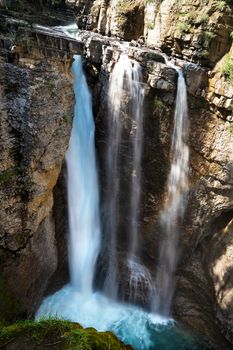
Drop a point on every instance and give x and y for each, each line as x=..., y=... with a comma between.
x=203, y=54
x=208, y=36
x=227, y=68
x=186, y=22
x=150, y=25
x=220, y=5
x=202, y=18
x=67, y=118
x=7, y=175
x=63, y=334
x=51, y=84
x=159, y=104
x=183, y=27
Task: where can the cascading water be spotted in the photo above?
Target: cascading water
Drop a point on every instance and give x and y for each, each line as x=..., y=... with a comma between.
x=78, y=301
x=70, y=30
x=174, y=211
x=139, y=275
x=137, y=111
x=83, y=192
x=121, y=70
x=126, y=80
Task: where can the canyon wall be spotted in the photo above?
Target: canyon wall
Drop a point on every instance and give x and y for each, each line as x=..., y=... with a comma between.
x=198, y=36
x=36, y=114
x=37, y=103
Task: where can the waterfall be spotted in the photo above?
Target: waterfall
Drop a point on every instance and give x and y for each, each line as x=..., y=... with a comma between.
x=121, y=74
x=172, y=215
x=77, y=301
x=83, y=195
x=135, y=195
x=125, y=83
x=126, y=97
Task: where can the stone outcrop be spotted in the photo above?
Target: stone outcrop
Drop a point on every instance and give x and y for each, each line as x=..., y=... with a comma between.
x=198, y=31
x=44, y=12
x=123, y=19
x=36, y=116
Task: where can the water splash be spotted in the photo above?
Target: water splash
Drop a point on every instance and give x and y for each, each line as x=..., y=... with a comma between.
x=70, y=30
x=141, y=286
x=172, y=216
x=83, y=195
x=142, y=330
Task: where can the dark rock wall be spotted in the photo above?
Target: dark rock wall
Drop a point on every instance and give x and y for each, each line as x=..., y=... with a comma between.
x=211, y=186
x=37, y=104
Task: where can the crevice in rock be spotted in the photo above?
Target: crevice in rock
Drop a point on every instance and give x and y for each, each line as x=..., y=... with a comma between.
x=60, y=215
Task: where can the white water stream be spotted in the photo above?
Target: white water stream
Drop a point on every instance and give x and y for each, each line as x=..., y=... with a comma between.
x=172, y=215
x=83, y=191
x=78, y=301
x=126, y=97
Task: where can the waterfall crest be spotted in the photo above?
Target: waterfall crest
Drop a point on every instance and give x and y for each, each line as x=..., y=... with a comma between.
x=83, y=192
x=172, y=215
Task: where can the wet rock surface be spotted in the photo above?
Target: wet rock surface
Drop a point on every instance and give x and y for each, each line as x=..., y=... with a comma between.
x=36, y=116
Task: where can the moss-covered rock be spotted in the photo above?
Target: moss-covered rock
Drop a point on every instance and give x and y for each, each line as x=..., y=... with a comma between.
x=59, y=334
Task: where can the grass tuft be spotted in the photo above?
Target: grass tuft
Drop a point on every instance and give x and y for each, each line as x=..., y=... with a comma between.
x=202, y=18
x=62, y=333
x=220, y=5
x=159, y=104
x=227, y=68
x=7, y=175
x=208, y=36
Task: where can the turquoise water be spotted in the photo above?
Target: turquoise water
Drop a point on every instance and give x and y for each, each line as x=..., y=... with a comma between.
x=134, y=326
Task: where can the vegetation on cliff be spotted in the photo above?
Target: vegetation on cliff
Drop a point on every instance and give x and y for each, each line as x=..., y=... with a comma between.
x=59, y=334
x=227, y=68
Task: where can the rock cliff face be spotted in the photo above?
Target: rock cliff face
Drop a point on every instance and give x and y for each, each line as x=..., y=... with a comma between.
x=36, y=115
x=195, y=30
x=203, y=293
x=123, y=19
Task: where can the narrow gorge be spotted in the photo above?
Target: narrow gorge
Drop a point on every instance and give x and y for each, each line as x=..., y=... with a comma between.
x=116, y=174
